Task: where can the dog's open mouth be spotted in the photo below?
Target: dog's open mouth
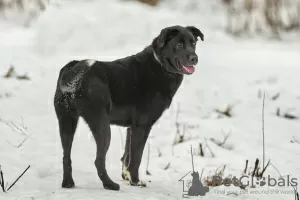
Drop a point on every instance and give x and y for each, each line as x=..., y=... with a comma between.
x=186, y=69
x=189, y=69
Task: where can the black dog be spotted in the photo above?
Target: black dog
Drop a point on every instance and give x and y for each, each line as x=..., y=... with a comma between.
x=132, y=92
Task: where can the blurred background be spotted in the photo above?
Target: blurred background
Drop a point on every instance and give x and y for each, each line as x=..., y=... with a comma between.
x=248, y=18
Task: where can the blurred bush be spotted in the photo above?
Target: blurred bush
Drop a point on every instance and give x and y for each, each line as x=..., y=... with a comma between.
x=22, y=11
x=149, y=2
x=262, y=16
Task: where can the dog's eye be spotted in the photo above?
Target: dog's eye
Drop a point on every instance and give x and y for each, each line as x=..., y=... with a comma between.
x=194, y=44
x=179, y=45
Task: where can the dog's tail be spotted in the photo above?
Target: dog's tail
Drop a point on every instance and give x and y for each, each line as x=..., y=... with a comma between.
x=71, y=76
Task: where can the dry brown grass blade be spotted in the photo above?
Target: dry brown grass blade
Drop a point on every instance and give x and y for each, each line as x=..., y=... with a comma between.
x=10, y=73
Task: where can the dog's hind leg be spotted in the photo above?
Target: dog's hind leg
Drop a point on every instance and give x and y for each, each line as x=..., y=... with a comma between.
x=67, y=127
x=95, y=109
x=98, y=121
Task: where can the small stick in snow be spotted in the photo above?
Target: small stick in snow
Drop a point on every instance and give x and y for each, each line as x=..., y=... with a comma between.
x=10, y=73
x=264, y=169
x=159, y=153
x=2, y=180
x=192, y=158
x=222, y=143
x=23, y=77
x=245, y=170
x=147, y=171
x=255, y=167
x=289, y=116
x=295, y=140
x=276, y=96
x=227, y=112
x=201, y=150
x=263, y=129
x=212, y=154
x=18, y=178
x=168, y=166
x=18, y=128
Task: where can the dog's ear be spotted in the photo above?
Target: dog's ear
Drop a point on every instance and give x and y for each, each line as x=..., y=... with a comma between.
x=196, y=32
x=165, y=35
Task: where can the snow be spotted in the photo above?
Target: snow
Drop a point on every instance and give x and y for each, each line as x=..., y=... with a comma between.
x=230, y=71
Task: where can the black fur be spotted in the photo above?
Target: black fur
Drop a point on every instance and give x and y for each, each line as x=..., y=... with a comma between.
x=132, y=92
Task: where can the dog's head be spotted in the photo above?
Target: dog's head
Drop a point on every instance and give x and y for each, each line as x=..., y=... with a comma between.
x=175, y=48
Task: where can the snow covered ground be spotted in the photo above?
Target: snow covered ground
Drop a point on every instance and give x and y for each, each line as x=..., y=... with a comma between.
x=230, y=71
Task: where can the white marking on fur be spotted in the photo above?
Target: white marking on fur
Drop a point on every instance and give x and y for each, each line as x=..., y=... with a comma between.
x=90, y=62
x=141, y=183
x=156, y=58
x=126, y=174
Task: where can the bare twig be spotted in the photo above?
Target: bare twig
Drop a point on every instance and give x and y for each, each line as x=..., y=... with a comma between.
x=246, y=167
x=2, y=180
x=192, y=158
x=260, y=175
x=285, y=115
x=18, y=128
x=295, y=140
x=289, y=116
x=263, y=129
x=222, y=143
x=276, y=96
x=212, y=154
x=10, y=73
x=159, y=153
x=177, y=125
x=6, y=186
x=201, y=150
x=18, y=178
x=148, y=160
x=220, y=172
x=255, y=167
x=168, y=166
x=23, y=77
x=227, y=112
x=276, y=169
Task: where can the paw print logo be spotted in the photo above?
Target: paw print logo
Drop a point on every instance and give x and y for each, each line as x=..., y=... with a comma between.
x=261, y=182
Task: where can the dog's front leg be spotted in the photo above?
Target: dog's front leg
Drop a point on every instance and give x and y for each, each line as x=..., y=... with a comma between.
x=137, y=140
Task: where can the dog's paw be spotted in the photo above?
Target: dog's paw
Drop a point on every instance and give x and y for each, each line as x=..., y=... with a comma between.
x=125, y=177
x=126, y=174
x=139, y=183
x=112, y=186
x=68, y=183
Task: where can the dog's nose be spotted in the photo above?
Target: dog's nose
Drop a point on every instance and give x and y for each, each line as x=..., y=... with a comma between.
x=193, y=59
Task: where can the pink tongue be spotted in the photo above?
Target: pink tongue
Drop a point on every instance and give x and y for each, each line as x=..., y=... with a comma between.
x=189, y=69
